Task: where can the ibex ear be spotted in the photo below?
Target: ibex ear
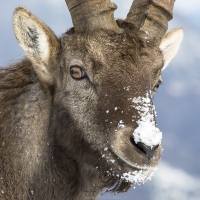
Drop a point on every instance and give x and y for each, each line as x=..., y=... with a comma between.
x=170, y=45
x=38, y=41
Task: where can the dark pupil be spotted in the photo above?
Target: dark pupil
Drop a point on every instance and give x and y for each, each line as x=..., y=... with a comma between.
x=76, y=72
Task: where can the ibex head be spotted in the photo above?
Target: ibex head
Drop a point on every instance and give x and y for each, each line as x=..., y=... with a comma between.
x=102, y=75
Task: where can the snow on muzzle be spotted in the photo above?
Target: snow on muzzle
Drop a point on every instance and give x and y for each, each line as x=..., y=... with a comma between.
x=147, y=133
x=139, y=147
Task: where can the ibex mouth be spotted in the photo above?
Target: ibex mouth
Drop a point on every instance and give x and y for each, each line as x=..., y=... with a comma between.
x=137, y=156
x=135, y=166
x=135, y=173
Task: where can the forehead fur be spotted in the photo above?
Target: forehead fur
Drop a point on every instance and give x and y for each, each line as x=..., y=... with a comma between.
x=124, y=45
x=130, y=53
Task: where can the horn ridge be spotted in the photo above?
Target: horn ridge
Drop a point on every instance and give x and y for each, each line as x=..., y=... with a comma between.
x=137, y=12
x=151, y=16
x=90, y=15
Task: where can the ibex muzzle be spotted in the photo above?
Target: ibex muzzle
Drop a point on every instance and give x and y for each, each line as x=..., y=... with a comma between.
x=77, y=114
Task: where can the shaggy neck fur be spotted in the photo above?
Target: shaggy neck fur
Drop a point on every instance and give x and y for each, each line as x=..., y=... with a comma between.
x=32, y=165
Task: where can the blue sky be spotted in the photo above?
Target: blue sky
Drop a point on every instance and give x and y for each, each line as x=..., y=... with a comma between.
x=177, y=101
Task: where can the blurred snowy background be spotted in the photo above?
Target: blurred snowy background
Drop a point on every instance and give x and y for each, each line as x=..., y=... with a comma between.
x=177, y=101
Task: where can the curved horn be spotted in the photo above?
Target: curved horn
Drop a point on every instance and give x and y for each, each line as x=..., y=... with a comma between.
x=92, y=14
x=151, y=16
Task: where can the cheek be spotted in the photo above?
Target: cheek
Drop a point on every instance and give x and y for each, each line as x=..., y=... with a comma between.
x=82, y=108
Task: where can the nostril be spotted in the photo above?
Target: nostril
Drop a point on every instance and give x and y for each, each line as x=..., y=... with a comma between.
x=149, y=151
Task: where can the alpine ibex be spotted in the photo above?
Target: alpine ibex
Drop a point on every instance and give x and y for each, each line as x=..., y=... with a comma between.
x=77, y=114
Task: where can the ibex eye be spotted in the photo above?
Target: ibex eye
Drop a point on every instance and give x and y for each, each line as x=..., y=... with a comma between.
x=77, y=72
x=157, y=85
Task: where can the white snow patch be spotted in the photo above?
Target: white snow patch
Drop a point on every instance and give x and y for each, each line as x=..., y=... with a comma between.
x=121, y=124
x=138, y=177
x=133, y=177
x=146, y=132
x=127, y=88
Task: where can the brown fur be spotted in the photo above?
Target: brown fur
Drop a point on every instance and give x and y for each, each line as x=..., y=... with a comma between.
x=52, y=137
